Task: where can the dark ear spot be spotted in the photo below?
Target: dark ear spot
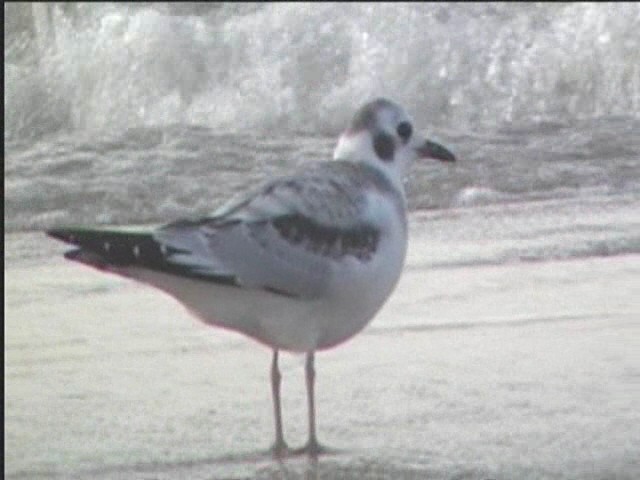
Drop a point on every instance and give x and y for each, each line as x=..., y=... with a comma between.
x=384, y=147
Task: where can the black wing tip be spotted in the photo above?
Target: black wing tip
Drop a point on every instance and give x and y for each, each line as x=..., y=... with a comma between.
x=96, y=244
x=65, y=234
x=73, y=254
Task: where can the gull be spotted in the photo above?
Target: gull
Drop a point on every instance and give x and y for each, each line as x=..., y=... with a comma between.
x=300, y=264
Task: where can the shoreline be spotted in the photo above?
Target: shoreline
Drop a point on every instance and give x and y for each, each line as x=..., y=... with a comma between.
x=512, y=371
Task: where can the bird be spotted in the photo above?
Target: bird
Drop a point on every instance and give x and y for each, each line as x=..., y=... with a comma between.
x=301, y=263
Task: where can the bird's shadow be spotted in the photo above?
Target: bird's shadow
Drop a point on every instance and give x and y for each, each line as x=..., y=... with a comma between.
x=280, y=457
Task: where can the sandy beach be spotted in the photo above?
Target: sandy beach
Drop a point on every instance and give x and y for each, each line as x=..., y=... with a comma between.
x=517, y=371
x=509, y=349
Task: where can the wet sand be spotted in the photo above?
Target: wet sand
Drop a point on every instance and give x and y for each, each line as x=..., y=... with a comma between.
x=518, y=371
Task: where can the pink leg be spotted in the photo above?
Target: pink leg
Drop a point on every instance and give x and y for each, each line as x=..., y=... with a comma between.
x=280, y=447
x=312, y=447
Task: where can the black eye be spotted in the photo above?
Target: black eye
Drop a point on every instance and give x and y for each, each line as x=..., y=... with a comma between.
x=404, y=130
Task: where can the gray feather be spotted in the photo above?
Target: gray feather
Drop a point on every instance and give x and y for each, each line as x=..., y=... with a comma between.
x=279, y=236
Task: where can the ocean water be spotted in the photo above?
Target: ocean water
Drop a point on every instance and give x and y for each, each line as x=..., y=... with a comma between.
x=145, y=113
x=141, y=114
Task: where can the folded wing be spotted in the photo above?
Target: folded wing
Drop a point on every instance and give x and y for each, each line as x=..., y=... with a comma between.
x=284, y=237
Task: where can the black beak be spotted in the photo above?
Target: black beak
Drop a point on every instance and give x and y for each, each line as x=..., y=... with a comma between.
x=436, y=151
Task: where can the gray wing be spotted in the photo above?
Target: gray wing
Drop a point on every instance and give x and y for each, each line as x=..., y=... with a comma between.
x=284, y=236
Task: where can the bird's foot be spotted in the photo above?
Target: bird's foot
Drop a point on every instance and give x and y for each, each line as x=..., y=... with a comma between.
x=280, y=449
x=313, y=448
